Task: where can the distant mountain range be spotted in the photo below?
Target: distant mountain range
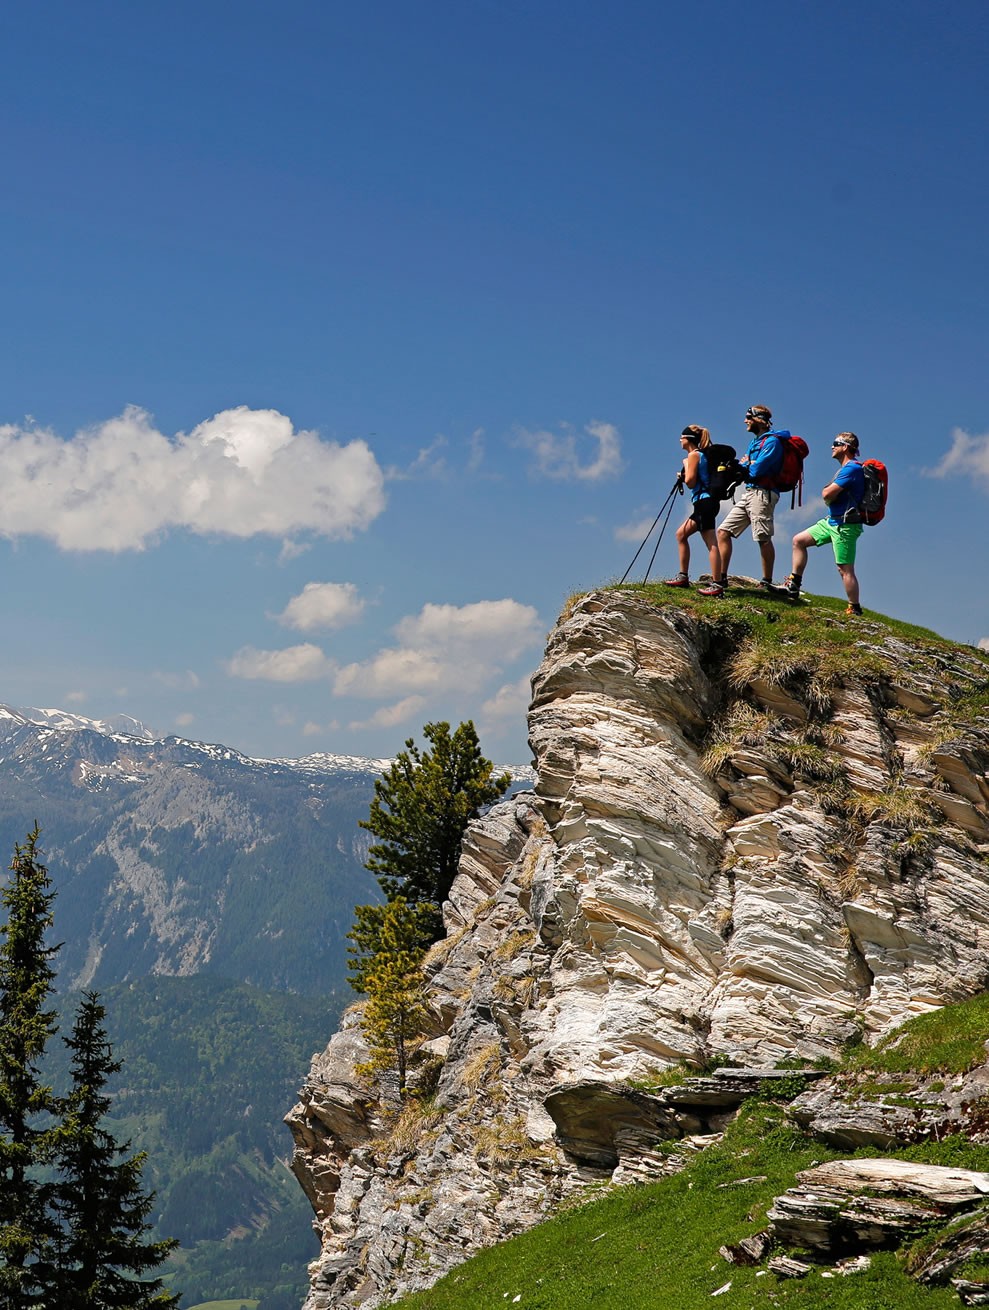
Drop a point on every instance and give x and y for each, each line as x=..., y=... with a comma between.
x=181, y=857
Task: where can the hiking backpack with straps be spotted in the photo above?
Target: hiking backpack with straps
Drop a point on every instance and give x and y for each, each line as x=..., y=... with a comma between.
x=790, y=474
x=723, y=470
x=873, y=504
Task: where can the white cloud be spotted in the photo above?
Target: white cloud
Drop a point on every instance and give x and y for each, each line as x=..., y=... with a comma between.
x=323, y=605
x=968, y=456
x=187, y=681
x=504, y=626
x=429, y=463
x=390, y=672
x=184, y=720
x=476, y=446
x=121, y=484
x=75, y=697
x=509, y=702
x=389, y=716
x=557, y=454
x=445, y=647
x=292, y=550
x=984, y=643
x=311, y=729
x=305, y=663
x=635, y=530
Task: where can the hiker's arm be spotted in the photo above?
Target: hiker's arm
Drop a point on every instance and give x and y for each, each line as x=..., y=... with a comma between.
x=690, y=466
x=830, y=492
x=767, y=459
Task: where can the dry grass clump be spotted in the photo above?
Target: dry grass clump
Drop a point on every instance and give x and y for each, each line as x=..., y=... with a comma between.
x=415, y=1124
x=743, y=725
x=485, y=1062
x=898, y=805
x=514, y=945
x=506, y=1141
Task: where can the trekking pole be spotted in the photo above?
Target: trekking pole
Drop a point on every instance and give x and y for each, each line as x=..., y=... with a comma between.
x=676, y=491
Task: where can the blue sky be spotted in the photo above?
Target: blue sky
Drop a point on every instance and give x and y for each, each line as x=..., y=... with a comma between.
x=342, y=342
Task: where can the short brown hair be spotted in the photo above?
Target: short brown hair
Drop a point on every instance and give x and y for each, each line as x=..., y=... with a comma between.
x=850, y=440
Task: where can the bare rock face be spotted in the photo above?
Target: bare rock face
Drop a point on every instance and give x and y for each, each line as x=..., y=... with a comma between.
x=754, y=869
x=850, y=1205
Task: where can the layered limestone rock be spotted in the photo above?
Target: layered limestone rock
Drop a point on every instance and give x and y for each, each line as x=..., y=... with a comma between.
x=723, y=856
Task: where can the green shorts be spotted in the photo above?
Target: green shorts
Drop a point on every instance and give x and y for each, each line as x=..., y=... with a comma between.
x=843, y=539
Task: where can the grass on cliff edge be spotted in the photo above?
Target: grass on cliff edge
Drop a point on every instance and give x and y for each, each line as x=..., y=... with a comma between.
x=761, y=635
x=951, y=1039
x=655, y=1246
x=773, y=617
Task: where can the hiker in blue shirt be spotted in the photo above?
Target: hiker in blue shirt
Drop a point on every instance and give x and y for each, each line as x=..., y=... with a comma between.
x=757, y=503
x=843, y=525
x=695, y=440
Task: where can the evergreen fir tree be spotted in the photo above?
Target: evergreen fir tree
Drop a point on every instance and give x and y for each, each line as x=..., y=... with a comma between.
x=421, y=808
x=389, y=973
x=27, y=1129
x=99, y=1197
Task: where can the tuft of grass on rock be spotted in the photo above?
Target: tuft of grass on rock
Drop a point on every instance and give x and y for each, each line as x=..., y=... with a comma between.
x=949, y=1040
x=656, y=1245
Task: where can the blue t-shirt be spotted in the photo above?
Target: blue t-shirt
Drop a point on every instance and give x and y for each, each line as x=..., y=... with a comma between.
x=699, y=490
x=851, y=479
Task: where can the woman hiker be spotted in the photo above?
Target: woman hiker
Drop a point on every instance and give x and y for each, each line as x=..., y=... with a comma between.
x=694, y=440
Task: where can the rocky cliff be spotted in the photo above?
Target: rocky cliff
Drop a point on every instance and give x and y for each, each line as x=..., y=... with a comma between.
x=756, y=833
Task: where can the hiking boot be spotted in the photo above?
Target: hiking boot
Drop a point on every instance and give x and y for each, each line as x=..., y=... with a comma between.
x=766, y=584
x=713, y=589
x=681, y=580
x=853, y=609
x=792, y=586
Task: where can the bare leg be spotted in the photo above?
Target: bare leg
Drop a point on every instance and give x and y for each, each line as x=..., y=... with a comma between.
x=710, y=540
x=851, y=582
x=684, y=532
x=768, y=552
x=801, y=543
x=725, y=544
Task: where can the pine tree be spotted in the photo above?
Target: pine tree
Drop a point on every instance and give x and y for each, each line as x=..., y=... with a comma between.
x=421, y=808
x=394, y=1013
x=396, y=927
x=99, y=1196
x=27, y=1130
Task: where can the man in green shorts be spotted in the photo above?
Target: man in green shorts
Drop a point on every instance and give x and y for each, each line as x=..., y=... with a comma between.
x=843, y=525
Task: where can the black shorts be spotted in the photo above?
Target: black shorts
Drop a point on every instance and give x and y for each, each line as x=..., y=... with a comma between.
x=704, y=513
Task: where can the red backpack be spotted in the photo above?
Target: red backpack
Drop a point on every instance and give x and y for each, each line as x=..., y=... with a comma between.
x=873, y=505
x=790, y=474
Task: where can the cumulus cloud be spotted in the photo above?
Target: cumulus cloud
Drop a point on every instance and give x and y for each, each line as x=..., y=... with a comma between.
x=75, y=697
x=323, y=605
x=558, y=454
x=305, y=663
x=984, y=643
x=389, y=716
x=967, y=455
x=389, y=672
x=121, y=484
x=447, y=647
x=509, y=702
x=184, y=720
x=503, y=625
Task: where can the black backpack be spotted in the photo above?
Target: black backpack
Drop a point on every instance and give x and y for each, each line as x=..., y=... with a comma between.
x=723, y=470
